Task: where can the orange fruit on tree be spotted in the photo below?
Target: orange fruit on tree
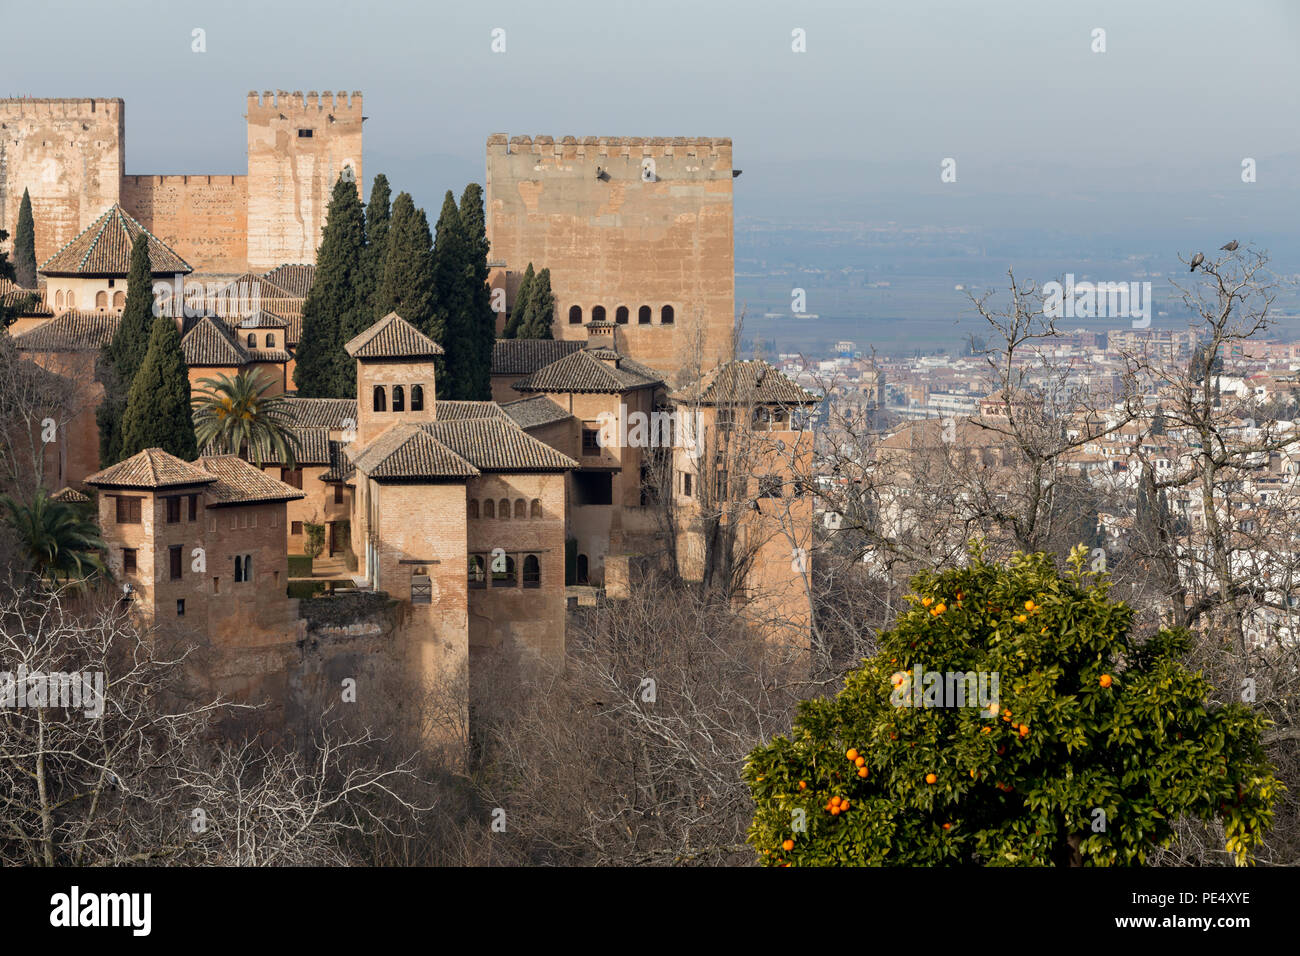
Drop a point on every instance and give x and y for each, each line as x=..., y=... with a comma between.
x=1029, y=605
x=947, y=826
x=931, y=778
x=862, y=771
x=788, y=845
x=927, y=601
x=1104, y=680
x=861, y=761
x=972, y=773
x=852, y=754
x=1024, y=730
x=803, y=785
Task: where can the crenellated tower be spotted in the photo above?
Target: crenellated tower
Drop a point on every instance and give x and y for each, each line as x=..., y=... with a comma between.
x=298, y=146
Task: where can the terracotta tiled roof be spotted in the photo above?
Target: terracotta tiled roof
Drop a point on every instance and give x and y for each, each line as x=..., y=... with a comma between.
x=210, y=344
x=526, y=356
x=340, y=468
x=278, y=356
x=261, y=319
x=104, y=249
x=600, y=370
x=70, y=496
x=239, y=483
x=293, y=276
x=312, y=448
x=322, y=412
x=71, y=332
x=408, y=452
x=752, y=382
x=151, y=468
x=534, y=412
x=497, y=444
x=392, y=337
x=449, y=411
x=32, y=301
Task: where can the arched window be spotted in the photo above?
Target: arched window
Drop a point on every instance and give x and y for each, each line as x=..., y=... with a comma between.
x=575, y=315
x=489, y=508
x=399, y=398
x=72, y=299
x=417, y=398
x=621, y=315
x=521, y=508
x=537, y=508
x=532, y=572
x=239, y=569
x=252, y=340
x=270, y=340
x=119, y=299
x=58, y=299
x=643, y=315
x=582, y=569
x=101, y=300
x=477, y=578
x=505, y=577
x=503, y=509
x=473, y=507
x=666, y=315
x=381, y=400
x=598, y=313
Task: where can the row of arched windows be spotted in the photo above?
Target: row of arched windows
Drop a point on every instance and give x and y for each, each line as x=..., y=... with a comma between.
x=503, y=571
x=399, y=398
x=493, y=509
x=270, y=340
x=622, y=316
x=68, y=300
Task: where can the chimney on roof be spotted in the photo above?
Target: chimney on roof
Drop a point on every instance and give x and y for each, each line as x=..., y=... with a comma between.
x=600, y=335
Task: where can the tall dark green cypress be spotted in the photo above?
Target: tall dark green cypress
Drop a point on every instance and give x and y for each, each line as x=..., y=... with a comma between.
x=158, y=412
x=451, y=278
x=333, y=312
x=25, y=245
x=482, y=321
x=541, y=309
x=522, y=298
x=407, y=285
x=125, y=353
x=378, y=215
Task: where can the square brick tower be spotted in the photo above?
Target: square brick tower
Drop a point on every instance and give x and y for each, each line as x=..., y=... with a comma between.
x=298, y=146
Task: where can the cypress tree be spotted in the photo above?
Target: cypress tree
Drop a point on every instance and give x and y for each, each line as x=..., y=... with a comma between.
x=452, y=274
x=25, y=245
x=378, y=215
x=541, y=311
x=482, y=320
x=125, y=353
x=522, y=297
x=407, y=286
x=333, y=311
x=158, y=412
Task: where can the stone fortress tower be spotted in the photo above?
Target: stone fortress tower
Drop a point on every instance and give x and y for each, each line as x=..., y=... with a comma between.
x=69, y=155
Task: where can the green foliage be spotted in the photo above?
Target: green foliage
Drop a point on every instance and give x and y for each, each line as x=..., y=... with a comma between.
x=481, y=321
x=315, y=539
x=407, y=286
x=378, y=216
x=25, y=245
x=1088, y=720
x=519, y=313
x=60, y=540
x=451, y=276
x=337, y=305
x=237, y=416
x=541, y=309
x=7, y=315
x=158, y=412
x=124, y=355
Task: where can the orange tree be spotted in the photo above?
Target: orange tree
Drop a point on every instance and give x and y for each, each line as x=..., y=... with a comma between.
x=1095, y=744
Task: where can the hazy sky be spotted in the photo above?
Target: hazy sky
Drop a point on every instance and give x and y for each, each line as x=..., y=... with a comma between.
x=1148, y=136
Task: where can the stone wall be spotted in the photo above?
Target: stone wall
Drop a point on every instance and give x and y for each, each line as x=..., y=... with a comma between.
x=203, y=218
x=68, y=153
x=622, y=223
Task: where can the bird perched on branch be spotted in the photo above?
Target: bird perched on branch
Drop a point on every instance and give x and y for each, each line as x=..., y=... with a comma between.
x=1231, y=247
x=1196, y=261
